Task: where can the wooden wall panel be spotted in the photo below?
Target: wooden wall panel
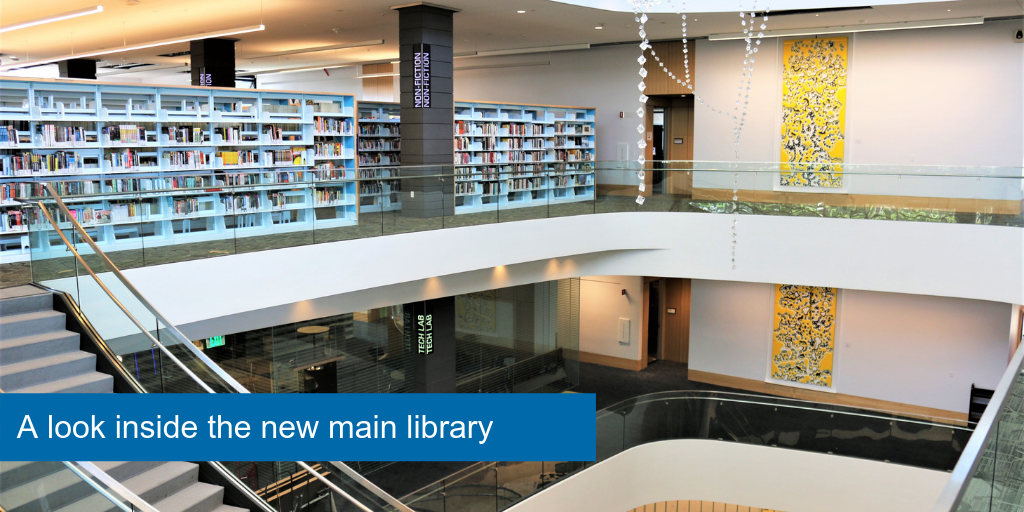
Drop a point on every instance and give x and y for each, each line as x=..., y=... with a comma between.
x=671, y=54
x=677, y=326
x=379, y=88
x=697, y=506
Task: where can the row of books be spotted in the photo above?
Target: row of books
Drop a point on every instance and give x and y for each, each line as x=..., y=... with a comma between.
x=184, y=207
x=12, y=220
x=251, y=157
x=473, y=128
x=8, y=135
x=293, y=156
x=231, y=134
x=584, y=129
x=329, y=149
x=122, y=212
x=332, y=125
x=377, y=187
x=385, y=130
x=188, y=159
x=27, y=164
x=573, y=155
x=328, y=196
x=128, y=159
x=185, y=134
x=52, y=135
x=379, y=159
x=380, y=144
x=125, y=134
x=520, y=184
x=241, y=203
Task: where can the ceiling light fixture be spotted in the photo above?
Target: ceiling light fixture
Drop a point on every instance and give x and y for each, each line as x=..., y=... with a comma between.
x=119, y=49
x=315, y=49
x=520, y=51
x=51, y=19
x=599, y=27
x=903, y=25
x=521, y=12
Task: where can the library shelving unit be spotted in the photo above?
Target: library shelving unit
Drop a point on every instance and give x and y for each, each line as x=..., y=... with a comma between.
x=174, y=146
x=378, y=147
x=513, y=156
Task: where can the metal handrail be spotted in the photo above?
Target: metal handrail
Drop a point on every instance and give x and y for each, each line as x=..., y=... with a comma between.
x=135, y=292
x=209, y=364
x=110, y=294
x=333, y=487
x=362, y=480
x=121, y=491
x=953, y=494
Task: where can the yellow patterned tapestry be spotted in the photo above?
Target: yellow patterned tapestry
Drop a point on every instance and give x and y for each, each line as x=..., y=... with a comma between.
x=813, y=112
x=803, y=334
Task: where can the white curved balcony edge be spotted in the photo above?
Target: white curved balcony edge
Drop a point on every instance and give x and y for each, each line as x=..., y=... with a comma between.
x=268, y=288
x=741, y=474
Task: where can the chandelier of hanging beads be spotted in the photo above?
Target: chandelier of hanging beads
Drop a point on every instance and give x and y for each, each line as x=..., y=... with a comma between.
x=739, y=111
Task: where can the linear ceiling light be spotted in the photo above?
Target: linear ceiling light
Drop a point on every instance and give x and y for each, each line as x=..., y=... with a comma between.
x=119, y=49
x=520, y=51
x=50, y=19
x=903, y=25
x=314, y=49
x=509, y=65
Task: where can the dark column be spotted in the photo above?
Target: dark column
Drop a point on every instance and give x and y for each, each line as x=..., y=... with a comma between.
x=425, y=48
x=430, y=334
x=77, y=68
x=213, y=62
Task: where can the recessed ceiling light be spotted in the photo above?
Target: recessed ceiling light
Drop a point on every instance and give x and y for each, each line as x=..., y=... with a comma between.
x=521, y=12
x=599, y=27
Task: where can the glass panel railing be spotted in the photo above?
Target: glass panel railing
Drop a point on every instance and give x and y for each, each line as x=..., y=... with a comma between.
x=182, y=218
x=63, y=485
x=990, y=476
x=152, y=352
x=728, y=417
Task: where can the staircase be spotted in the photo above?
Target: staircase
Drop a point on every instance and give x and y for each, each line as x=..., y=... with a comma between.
x=51, y=487
x=37, y=355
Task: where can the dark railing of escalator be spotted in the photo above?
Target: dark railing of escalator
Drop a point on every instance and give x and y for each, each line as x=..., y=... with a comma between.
x=729, y=417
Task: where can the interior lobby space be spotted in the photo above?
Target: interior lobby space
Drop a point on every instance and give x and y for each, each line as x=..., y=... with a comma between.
x=781, y=243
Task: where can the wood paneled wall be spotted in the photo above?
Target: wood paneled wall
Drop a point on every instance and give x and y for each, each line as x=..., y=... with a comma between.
x=671, y=54
x=379, y=88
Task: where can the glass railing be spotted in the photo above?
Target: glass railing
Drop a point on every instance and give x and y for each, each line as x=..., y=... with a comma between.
x=990, y=475
x=143, y=221
x=157, y=358
x=57, y=484
x=728, y=417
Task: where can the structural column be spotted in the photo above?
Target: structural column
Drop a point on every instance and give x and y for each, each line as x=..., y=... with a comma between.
x=425, y=41
x=430, y=334
x=213, y=62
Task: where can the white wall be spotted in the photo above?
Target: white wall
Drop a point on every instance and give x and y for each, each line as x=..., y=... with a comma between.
x=604, y=78
x=339, y=80
x=911, y=349
x=955, y=260
x=602, y=304
x=741, y=474
x=942, y=96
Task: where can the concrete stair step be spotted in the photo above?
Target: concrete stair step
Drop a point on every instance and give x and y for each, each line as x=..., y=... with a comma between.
x=26, y=303
x=27, y=324
x=229, y=508
x=94, y=382
x=122, y=470
x=15, y=350
x=47, y=493
x=45, y=369
x=163, y=481
x=198, y=497
x=13, y=474
x=94, y=503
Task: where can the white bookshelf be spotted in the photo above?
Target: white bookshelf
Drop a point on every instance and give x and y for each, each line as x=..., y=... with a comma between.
x=378, y=147
x=179, y=145
x=513, y=156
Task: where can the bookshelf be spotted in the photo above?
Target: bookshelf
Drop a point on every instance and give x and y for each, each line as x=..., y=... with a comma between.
x=175, y=146
x=378, y=144
x=511, y=156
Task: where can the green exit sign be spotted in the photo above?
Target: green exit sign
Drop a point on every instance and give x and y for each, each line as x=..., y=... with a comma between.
x=216, y=341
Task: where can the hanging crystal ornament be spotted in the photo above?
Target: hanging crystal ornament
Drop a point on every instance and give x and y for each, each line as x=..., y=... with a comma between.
x=640, y=8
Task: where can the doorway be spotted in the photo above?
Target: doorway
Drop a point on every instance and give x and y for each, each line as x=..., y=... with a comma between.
x=654, y=303
x=667, y=319
x=658, y=141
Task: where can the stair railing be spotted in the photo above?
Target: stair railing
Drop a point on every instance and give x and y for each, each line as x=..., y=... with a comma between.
x=209, y=364
x=116, y=490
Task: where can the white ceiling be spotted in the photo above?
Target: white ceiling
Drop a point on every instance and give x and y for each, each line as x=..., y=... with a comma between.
x=481, y=25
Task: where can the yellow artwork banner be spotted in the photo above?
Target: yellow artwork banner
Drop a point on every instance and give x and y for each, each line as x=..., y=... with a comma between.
x=803, y=334
x=813, y=112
